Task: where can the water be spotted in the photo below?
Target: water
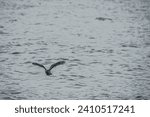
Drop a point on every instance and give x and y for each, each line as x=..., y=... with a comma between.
x=105, y=43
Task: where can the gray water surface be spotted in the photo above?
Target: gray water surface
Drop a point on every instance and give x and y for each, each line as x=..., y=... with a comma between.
x=105, y=43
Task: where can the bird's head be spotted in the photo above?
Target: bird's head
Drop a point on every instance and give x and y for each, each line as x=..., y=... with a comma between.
x=48, y=72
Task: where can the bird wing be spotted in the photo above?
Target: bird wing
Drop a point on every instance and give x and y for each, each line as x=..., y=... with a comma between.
x=56, y=64
x=39, y=65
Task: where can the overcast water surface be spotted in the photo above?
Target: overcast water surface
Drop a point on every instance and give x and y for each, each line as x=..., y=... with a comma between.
x=105, y=44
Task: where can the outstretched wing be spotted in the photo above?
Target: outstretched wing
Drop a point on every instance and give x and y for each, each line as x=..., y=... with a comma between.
x=39, y=65
x=56, y=64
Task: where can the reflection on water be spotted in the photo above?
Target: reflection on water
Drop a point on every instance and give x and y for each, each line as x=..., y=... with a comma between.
x=105, y=45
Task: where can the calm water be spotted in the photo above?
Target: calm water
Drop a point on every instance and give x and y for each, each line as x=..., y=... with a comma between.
x=105, y=58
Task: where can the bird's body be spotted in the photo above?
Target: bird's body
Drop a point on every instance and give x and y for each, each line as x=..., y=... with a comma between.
x=48, y=71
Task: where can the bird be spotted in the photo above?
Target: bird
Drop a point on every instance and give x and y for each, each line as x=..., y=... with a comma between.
x=48, y=71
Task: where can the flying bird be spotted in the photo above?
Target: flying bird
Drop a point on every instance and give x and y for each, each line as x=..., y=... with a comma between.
x=48, y=71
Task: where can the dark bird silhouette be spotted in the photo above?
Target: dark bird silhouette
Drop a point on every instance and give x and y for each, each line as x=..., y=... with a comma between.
x=48, y=71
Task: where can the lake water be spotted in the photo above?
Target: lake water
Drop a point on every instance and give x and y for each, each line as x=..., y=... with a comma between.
x=105, y=44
